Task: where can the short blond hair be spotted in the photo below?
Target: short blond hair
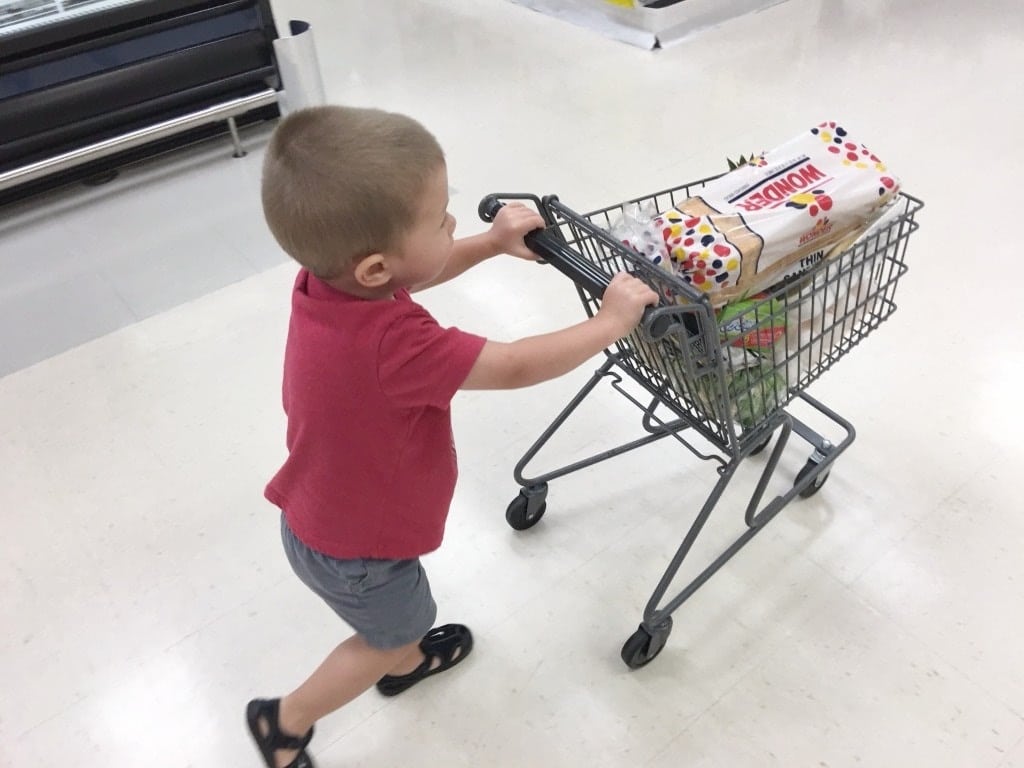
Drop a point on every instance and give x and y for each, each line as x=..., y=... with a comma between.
x=341, y=183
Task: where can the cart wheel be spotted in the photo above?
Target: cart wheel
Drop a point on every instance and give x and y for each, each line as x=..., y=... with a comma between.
x=527, y=508
x=814, y=487
x=642, y=646
x=761, y=446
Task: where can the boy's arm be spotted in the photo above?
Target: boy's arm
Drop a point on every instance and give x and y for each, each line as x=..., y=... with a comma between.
x=511, y=224
x=539, y=358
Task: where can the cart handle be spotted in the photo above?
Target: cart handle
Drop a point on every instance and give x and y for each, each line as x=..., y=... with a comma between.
x=656, y=322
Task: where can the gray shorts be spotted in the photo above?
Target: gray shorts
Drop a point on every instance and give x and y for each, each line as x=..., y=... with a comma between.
x=388, y=602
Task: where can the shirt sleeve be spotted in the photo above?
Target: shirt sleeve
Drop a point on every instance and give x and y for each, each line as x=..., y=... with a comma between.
x=422, y=364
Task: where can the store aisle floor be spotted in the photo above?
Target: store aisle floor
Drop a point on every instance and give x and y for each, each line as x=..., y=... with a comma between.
x=145, y=597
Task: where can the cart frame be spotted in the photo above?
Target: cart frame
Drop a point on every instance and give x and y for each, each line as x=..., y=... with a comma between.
x=688, y=363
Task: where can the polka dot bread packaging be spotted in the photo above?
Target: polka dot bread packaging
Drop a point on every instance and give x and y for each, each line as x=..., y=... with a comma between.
x=774, y=217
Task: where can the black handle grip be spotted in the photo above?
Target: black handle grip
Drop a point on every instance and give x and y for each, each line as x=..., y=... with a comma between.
x=553, y=250
x=489, y=208
x=491, y=204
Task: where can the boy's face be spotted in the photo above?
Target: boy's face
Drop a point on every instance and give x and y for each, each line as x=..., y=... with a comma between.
x=427, y=246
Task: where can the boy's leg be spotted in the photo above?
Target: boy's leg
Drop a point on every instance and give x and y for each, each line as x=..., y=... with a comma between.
x=409, y=663
x=350, y=669
x=392, y=600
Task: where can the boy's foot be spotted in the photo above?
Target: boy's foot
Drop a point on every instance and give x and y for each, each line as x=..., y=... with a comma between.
x=443, y=647
x=274, y=744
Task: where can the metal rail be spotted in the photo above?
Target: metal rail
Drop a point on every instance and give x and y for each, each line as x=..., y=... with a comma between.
x=225, y=111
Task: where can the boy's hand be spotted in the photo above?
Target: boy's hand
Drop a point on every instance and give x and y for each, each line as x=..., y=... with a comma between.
x=514, y=221
x=624, y=301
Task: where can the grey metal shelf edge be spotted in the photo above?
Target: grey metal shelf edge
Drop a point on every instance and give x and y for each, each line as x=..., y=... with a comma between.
x=88, y=86
x=679, y=370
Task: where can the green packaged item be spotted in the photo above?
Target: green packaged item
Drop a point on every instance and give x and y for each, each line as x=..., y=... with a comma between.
x=752, y=322
x=755, y=393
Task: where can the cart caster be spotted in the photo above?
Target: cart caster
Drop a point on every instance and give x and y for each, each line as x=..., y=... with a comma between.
x=819, y=481
x=642, y=646
x=527, y=508
x=761, y=446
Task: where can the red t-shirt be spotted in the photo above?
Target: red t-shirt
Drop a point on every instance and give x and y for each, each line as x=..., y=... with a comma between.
x=371, y=465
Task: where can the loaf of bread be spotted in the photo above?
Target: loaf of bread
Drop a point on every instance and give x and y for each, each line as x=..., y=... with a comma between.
x=774, y=217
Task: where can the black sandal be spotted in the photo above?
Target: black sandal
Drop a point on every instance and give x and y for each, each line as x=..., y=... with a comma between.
x=264, y=712
x=449, y=644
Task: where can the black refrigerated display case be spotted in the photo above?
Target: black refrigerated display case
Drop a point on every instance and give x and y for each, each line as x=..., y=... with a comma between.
x=89, y=85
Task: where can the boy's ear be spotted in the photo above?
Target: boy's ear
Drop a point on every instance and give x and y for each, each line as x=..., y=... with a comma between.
x=373, y=271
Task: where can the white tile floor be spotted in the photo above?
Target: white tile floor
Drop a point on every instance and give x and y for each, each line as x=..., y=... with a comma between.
x=144, y=597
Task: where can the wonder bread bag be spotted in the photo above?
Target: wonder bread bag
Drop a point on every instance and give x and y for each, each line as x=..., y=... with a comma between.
x=772, y=218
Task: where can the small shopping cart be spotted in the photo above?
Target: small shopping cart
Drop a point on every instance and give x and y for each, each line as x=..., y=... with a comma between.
x=725, y=375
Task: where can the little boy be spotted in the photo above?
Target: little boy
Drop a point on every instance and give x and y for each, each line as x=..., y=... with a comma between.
x=359, y=198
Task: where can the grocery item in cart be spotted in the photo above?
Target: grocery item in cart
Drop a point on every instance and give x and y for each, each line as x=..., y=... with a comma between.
x=820, y=313
x=771, y=341
x=770, y=219
x=757, y=322
x=755, y=392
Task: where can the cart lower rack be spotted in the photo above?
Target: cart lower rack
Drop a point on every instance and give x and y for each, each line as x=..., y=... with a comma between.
x=726, y=375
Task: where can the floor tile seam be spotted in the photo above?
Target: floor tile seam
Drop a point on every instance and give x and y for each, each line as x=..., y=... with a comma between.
x=1018, y=745
x=139, y=319
x=993, y=698
x=704, y=713
x=914, y=527
x=226, y=238
x=80, y=254
x=50, y=718
x=136, y=319
x=894, y=618
x=192, y=296
x=1014, y=709
x=584, y=563
x=145, y=659
x=246, y=256
x=346, y=732
x=769, y=652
